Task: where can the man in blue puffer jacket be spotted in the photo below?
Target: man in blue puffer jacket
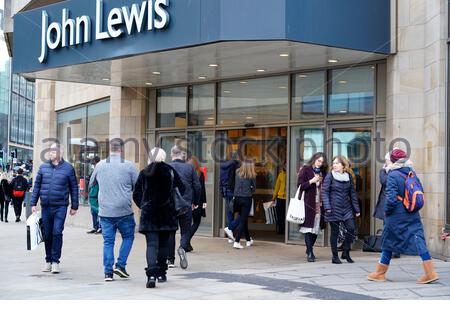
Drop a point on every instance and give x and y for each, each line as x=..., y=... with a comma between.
x=55, y=180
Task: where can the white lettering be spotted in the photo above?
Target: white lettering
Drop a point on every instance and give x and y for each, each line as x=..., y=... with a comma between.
x=54, y=40
x=134, y=17
x=125, y=19
x=99, y=34
x=160, y=11
x=86, y=21
x=67, y=23
x=115, y=19
x=44, y=48
x=150, y=15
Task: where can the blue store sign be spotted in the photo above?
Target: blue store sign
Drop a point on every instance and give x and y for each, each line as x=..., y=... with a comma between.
x=81, y=31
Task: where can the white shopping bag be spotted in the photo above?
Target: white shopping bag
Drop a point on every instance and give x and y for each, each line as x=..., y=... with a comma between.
x=252, y=209
x=270, y=212
x=296, y=210
x=34, y=231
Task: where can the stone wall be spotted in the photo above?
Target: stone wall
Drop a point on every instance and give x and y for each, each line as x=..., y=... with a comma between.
x=416, y=103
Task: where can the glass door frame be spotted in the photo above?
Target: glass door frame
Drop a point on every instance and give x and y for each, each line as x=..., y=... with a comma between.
x=371, y=125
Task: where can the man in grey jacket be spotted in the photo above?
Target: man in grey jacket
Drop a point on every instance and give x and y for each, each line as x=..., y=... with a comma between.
x=191, y=195
x=116, y=178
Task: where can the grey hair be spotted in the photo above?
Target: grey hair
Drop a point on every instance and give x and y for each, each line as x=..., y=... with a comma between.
x=157, y=155
x=178, y=153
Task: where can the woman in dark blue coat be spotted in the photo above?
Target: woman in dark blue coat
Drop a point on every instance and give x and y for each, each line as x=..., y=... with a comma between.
x=403, y=230
x=340, y=204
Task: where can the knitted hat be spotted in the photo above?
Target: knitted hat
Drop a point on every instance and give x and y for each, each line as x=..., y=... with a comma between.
x=398, y=154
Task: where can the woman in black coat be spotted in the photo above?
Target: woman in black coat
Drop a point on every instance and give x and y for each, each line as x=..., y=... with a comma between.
x=5, y=197
x=199, y=211
x=153, y=195
x=340, y=204
x=310, y=182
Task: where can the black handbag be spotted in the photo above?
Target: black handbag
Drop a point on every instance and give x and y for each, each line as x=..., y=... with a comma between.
x=372, y=243
x=181, y=205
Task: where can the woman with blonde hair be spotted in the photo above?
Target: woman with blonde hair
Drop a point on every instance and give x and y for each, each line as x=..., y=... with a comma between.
x=245, y=187
x=153, y=195
x=341, y=205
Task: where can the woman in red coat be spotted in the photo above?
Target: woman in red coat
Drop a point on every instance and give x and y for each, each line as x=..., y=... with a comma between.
x=310, y=181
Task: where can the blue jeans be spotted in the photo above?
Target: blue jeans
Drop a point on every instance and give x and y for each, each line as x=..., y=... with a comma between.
x=95, y=219
x=232, y=223
x=185, y=222
x=126, y=226
x=386, y=257
x=53, y=219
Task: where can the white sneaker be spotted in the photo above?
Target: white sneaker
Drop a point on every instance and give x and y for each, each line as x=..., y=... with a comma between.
x=55, y=267
x=249, y=243
x=237, y=245
x=47, y=267
x=230, y=241
x=229, y=233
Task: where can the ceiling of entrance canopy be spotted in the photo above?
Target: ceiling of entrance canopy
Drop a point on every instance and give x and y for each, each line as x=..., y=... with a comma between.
x=224, y=60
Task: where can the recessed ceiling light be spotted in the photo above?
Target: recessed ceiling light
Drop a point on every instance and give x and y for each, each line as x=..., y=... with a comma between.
x=284, y=55
x=227, y=91
x=213, y=65
x=261, y=70
x=210, y=118
x=106, y=79
x=372, y=67
x=282, y=87
x=156, y=72
x=249, y=118
x=343, y=111
x=333, y=60
x=149, y=83
x=343, y=81
x=202, y=78
x=303, y=76
x=243, y=82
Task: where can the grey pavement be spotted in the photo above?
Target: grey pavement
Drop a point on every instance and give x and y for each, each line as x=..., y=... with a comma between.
x=216, y=271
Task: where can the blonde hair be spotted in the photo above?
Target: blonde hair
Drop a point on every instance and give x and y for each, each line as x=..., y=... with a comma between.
x=157, y=155
x=247, y=169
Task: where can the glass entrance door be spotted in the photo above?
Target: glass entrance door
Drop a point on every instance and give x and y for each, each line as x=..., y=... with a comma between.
x=355, y=144
x=268, y=148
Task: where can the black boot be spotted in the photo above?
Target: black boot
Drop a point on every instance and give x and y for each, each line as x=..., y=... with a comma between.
x=335, y=259
x=151, y=279
x=311, y=257
x=346, y=255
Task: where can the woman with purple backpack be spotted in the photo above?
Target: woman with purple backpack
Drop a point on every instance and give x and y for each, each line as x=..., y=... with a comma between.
x=403, y=229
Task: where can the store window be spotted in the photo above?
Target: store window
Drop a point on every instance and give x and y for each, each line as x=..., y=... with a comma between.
x=254, y=101
x=201, y=105
x=84, y=132
x=171, y=107
x=352, y=91
x=308, y=95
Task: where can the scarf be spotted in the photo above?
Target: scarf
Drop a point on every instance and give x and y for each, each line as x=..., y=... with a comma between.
x=344, y=177
x=402, y=163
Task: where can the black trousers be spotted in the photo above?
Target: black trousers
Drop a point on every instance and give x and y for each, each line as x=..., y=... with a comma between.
x=243, y=205
x=281, y=215
x=157, y=251
x=4, y=206
x=310, y=241
x=185, y=222
x=196, y=220
x=349, y=235
x=17, y=203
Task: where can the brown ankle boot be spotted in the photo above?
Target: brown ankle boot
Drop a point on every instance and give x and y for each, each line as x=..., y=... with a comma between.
x=379, y=274
x=430, y=274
